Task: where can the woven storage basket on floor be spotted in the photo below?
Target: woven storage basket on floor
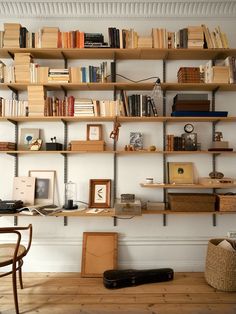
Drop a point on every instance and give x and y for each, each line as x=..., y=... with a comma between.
x=220, y=270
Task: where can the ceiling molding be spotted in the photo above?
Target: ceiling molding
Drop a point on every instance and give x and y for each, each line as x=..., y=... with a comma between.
x=118, y=9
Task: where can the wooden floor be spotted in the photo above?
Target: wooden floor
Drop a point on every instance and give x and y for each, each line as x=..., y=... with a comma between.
x=67, y=293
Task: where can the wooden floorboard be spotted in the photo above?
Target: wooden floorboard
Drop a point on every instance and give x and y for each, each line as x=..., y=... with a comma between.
x=63, y=293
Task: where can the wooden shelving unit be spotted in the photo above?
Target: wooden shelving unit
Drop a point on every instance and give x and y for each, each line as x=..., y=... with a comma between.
x=114, y=55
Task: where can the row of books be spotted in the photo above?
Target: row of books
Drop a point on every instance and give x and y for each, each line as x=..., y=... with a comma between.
x=34, y=73
x=17, y=36
x=13, y=108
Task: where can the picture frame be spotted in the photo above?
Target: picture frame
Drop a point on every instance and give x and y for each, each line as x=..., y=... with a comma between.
x=44, y=186
x=27, y=136
x=180, y=173
x=136, y=140
x=94, y=132
x=99, y=193
x=99, y=253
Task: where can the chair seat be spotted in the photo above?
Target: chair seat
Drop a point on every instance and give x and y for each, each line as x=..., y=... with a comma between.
x=7, y=252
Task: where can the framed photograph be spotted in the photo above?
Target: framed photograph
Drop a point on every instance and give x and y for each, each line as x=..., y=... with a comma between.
x=100, y=193
x=44, y=186
x=136, y=140
x=180, y=172
x=94, y=132
x=99, y=253
x=27, y=136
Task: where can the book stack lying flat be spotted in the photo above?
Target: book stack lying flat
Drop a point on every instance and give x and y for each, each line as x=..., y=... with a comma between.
x=189, y=75
x=191, y=102
x=11, y=35
x=7, y=146
x=58, y=76
x=144, y=42
x=220, y=74
x=84, y=107
x=22, y=62
x=49, y=37
x=36, y=100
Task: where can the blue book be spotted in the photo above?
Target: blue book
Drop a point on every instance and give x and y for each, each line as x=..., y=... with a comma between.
x=199, y=114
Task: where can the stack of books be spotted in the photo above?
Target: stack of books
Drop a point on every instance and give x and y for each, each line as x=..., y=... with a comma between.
x=189, y=75
x=144, y=42
x=58, y=76
x=11, y=35
x=49, y=37
x=7, y=146
x=195, y=37
x=84, y=107
x=36, y=100
x=220, y=74
x=22, y=62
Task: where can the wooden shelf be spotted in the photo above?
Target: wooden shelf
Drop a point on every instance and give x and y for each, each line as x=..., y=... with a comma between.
x=121, y=54
x=124, y=86
x=119, y=119
x=56, y=152
x=187, y=186
x=173, y=212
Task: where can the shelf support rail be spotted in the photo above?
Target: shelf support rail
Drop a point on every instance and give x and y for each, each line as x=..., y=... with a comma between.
x=65, y=164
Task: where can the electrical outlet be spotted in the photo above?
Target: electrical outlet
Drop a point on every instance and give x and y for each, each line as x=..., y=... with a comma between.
x=231, y=234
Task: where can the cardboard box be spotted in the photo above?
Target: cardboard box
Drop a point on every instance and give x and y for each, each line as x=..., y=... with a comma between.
x=87, y=145
x=131, y=208
x=186, y=202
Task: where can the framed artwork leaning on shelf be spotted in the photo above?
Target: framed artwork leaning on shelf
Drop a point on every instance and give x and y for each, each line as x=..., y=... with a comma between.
x=44, y=186
x=100, y=193
x=27, y=136
x=180, y=173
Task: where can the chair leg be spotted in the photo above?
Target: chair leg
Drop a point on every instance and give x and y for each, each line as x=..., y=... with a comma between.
x=14, y=283
x=20, y=276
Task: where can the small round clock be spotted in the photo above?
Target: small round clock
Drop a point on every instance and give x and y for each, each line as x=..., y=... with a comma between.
x=188, y=128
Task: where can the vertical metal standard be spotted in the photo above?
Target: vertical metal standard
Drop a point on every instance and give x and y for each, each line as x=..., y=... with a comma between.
x=65, y=164
x=164, y=148
x=114, y=149
x=214, y=220
x=164, y=70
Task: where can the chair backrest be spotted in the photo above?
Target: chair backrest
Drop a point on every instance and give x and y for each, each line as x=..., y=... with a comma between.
x=17, y=231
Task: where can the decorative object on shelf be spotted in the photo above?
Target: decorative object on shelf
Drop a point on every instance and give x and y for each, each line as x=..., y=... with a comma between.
x=129, y=148
x=26, y=137
x=149, y=180
x=192, y=202
x=127, y=197
x=216, y=175
x=220, y=182
x=54, y=145
x=87, y=145
x=70, y=196
x=36, y=144
x=152, y=148
x=136, y=140
x=189, y=139
x=99, y=253
x=94, y=132
x=128, y=208
x=115, y=133
x=44, y=186
x=218, y=144
x=180, y=172
x=100, y=193
x=156, y=94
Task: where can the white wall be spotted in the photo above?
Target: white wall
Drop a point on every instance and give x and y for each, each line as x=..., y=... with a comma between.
x=143, y=241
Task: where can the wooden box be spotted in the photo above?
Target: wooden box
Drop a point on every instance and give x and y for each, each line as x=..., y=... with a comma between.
x=87, y=145
x=226, y=203
x=198, y=202
x=128, y=208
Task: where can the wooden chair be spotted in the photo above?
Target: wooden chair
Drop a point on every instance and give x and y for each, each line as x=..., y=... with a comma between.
x=11, y=254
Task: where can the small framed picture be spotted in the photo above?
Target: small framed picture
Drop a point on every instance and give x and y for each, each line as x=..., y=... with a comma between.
x=180, y=173
x=27, y=136
x=100, y=193
x=44, y=186
x=94, y=132
x=136, y=140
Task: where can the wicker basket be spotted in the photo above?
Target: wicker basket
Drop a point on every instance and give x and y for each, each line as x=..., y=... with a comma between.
x=220, y=270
